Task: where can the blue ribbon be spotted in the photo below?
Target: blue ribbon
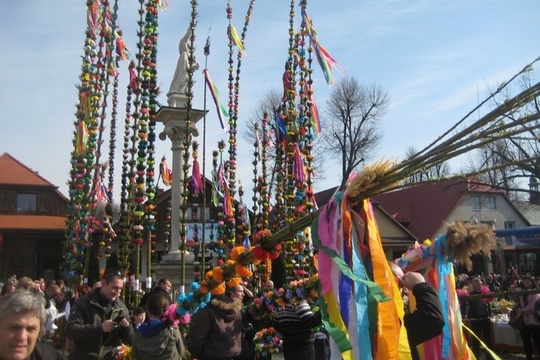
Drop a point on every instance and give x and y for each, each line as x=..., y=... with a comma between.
x=362, y=316
x=444, y=269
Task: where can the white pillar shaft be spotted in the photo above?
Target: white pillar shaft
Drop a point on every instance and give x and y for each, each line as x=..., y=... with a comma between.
x=176, y=193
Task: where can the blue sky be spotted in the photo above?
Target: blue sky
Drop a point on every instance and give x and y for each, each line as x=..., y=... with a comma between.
x=435, y=59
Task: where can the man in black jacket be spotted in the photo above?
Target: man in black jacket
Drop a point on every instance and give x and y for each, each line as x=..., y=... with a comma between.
x=164, y=287
x=427, y=320
x=478, y=312
x=98, y=322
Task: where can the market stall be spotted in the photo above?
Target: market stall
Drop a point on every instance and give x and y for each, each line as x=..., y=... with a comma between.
x=505, y=337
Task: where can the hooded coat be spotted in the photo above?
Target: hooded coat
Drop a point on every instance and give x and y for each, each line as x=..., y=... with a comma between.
x=215, y=331
x=155, y=339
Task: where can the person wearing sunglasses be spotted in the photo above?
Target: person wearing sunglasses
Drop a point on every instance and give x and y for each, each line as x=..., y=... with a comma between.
x=98, y=323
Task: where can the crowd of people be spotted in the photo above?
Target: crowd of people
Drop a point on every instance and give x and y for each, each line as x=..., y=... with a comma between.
x=40, y=320
x=478, y=310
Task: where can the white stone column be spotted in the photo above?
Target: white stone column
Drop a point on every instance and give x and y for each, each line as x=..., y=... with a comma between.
x=174, y=119
x=176, y=192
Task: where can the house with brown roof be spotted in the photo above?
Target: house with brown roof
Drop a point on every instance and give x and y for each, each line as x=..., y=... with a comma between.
x=426, y=209
x=32, y=222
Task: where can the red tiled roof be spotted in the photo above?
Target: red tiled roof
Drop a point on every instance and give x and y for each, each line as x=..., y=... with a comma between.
x=13, y=172
x=423, y=208
x=32, y=222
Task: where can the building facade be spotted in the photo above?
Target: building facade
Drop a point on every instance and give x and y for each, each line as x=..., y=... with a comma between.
x=32, y=222
x=426, y=210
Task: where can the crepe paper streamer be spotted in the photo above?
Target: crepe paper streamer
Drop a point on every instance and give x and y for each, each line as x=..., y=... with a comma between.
x=494, y=356
x=326, y=62
x=221, y=110
x=281, y=127
x=288, y=82
x=336, y=329
x=233, y=36
x=165, y=172
x=307, y=23
x=121, y=48
x=363, y=332
x=300, y=173
x=227, y=201
x=218, y=183
x=92, y=18
x=244, y=219
x=345, y=283
x=101, y=191
x=388, y=329
x=331, y=317
x=429, y=258
x=215, y=200
x=315, y=116
x=196, y=177
x=82, y=138
x=332, y=266
x=163, y=4
x=133, y=80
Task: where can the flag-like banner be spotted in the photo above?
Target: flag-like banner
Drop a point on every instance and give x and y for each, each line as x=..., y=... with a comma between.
x=165, y=172
x=221, y=110
x=233, y=36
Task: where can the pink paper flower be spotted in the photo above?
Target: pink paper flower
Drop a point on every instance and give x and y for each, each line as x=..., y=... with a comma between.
x=171, y=316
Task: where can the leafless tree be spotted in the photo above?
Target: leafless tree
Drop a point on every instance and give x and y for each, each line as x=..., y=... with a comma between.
x=437, y=171
x=350, y=124
x=269, y=104
x=521, y=177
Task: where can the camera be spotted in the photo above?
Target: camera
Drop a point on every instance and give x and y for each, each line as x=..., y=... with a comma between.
x=119, y=318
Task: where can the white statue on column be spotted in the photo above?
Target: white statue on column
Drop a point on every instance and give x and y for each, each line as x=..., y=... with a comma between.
x=177, y=93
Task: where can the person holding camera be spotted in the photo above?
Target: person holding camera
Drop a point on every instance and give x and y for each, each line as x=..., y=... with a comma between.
x=98, y=323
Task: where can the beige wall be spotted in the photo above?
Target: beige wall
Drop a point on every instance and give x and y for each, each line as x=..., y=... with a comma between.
x=503, y=212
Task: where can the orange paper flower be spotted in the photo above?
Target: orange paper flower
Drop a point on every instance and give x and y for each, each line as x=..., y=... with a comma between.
x=242, y=270
x=235, y=252
x=234, y=282
x=203, y=289
x=218, y=290
x=217, y=274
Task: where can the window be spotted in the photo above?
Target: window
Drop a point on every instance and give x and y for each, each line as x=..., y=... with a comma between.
x=526, y=263
x=487, y=223
x=194, y=214
x=491, y=202
x=26, y=202
x=476, y=204
x=509, y=224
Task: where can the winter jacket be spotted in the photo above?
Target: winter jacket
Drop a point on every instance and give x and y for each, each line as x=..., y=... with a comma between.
x=248, y=336
x=427, y=320
x=215, y=331
x=527, y=304
x=84, y=328
x=155, y=339
x=156, y=290
x=44, y=351
x=295, y=323
x=478, y=308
